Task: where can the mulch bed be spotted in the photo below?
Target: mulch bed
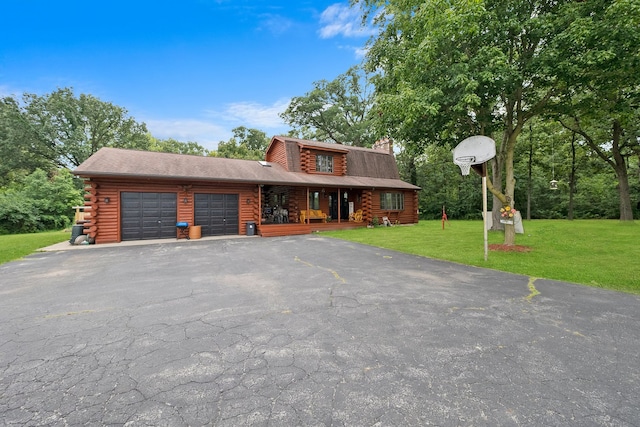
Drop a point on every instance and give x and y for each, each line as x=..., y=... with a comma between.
x=509, y=248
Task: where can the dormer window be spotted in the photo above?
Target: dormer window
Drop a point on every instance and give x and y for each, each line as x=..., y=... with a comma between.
x=324, y=163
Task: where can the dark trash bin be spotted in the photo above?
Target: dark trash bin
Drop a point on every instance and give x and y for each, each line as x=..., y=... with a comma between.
x=76, y=231
x=251, y=228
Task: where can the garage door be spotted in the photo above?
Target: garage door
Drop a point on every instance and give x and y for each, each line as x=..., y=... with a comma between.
x=217, y=214
x=147, y=215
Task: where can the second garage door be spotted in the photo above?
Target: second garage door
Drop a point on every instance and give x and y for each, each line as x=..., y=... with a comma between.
x=217, y=214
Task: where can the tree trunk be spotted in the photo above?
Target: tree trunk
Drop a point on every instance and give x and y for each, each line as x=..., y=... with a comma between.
x=502, y=199
x=510, y=182
x=530, y=173
x=413, y=171
x=572, y=176
x=494, y=185
x=626, y=212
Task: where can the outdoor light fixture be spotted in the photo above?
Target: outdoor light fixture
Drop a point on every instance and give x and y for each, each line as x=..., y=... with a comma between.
x=107, y=200
x=185, y=200
x=248, y=201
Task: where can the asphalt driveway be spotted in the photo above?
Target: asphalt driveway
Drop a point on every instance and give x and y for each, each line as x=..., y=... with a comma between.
x=310, y=331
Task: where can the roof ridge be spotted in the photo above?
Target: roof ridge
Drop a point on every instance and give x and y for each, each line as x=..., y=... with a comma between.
x=333, y=145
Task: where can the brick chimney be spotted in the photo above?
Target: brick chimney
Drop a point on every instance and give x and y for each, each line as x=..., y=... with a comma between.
x=384, y=144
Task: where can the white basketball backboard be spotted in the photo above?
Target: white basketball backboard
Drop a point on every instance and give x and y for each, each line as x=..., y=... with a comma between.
x=478, y=149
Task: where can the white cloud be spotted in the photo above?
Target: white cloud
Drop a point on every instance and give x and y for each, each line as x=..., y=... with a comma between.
x=359, y=51
x=275, y=24
x=256, y=115
x=217, y=125
x=340, y=19
x=203, y=132
x=7, y=91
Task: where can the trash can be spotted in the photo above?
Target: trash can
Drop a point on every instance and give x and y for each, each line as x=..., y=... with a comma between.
x=195, y=232
x=251, y=228
x=76, y=231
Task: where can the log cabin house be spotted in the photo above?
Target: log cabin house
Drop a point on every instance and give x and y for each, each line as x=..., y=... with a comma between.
x=301, y=186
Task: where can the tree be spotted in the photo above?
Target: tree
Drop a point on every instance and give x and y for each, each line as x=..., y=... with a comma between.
x=173, y=146
x=17, y=142
x=448, y=69
x=442, y=184
x=246, y=143
x=39, y=202
x=337, y=111
x=601, y=78
x=66, y=129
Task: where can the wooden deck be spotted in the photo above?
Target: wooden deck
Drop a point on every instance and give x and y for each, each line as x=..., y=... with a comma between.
x=274, y=230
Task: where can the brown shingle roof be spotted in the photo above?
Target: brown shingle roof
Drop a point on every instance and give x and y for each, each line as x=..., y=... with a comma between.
x=116, y=162
x=361, y=162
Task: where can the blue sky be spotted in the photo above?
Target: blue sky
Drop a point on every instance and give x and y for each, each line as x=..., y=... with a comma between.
x=190, y=69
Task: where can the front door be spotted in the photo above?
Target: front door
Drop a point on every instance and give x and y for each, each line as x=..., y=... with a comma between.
x=333, y=205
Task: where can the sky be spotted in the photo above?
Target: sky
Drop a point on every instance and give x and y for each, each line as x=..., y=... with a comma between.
x=191, y=70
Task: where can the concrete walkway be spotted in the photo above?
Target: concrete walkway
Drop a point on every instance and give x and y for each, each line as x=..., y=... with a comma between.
x=306, y=330
x=66, y=246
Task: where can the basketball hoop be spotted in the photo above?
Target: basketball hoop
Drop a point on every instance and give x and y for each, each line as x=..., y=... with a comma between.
x=476, y=150
x=465, y=163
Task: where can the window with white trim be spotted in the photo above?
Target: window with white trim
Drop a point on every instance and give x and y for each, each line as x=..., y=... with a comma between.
x=392, y=201
x=324, y=163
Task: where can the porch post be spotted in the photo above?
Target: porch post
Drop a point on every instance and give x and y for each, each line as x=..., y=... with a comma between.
x=339, y=204
x=259, y=204
x=307, y=219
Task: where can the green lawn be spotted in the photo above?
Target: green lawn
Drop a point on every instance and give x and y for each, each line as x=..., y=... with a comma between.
x=601, y=253
x=16, y=246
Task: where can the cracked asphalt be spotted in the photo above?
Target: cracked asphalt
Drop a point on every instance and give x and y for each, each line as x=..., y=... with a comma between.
x=308, y=331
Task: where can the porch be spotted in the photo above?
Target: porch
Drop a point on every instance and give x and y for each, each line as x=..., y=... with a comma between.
x=293, y=208
x=274, y=230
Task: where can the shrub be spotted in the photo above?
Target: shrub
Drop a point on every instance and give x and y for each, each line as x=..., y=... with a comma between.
x=39, y=203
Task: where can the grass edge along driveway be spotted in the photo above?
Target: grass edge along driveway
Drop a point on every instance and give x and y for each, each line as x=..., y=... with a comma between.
x=16, y=246
x=599, y=253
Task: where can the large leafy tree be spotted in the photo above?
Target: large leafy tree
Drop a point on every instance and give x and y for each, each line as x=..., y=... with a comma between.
x=598, y=61
x=246, y=143
x=336, y=111
x=448, y=69
x=171, y=145
x=66, y=130
x=18, y=142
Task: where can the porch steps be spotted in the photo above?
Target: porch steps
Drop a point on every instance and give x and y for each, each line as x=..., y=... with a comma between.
x=275, y=230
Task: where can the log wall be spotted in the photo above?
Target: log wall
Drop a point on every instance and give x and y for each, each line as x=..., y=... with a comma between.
x=103, y=199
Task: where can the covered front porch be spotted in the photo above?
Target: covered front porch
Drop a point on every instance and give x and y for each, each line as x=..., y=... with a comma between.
x=287, y=210
x=281, y=205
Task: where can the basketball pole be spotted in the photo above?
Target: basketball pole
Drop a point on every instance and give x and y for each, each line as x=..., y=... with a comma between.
x=484, y=210
x=474, y=152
